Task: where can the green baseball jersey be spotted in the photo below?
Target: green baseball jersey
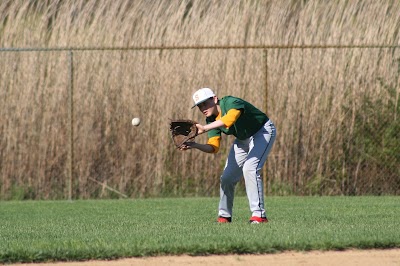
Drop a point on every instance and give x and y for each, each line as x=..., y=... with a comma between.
x=248, y=123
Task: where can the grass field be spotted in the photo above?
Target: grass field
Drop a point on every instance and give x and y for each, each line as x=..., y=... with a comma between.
x=106, y=229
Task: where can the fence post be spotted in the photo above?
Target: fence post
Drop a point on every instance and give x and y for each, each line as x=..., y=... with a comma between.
x=70, y=124
x=265, y=57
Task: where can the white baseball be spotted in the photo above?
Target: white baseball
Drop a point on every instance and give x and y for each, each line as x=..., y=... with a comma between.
x=136, y=121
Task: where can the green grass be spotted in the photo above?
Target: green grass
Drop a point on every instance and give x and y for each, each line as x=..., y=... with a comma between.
x=106, y=229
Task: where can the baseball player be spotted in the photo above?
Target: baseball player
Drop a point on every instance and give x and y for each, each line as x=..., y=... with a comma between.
x=255, y=134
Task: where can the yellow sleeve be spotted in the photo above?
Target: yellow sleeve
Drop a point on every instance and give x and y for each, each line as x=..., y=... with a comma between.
x=214, y=142
x=230, y=118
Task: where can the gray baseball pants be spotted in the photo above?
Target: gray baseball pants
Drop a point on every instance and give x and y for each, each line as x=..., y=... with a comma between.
x=246, y=158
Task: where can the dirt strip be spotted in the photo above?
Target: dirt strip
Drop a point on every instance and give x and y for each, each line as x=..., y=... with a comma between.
x=343, y=258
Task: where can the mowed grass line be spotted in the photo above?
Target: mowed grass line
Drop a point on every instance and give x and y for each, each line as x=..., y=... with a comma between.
x=107, y=229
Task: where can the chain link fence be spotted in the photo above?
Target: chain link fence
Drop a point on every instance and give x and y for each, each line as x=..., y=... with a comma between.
x=66, y=112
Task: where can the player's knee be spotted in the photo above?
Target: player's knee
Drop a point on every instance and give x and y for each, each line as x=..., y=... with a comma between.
x=249, y=170
x=227, y=179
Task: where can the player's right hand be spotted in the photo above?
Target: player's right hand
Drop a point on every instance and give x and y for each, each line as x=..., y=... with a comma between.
x=200, y=129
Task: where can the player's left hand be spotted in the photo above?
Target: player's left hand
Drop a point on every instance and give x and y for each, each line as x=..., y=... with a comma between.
x=186, y=146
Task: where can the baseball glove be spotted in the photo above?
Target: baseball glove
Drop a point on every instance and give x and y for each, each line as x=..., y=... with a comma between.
x=182, y=131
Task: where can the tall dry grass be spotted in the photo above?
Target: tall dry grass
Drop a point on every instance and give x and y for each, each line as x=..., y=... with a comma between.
x=313, y=94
